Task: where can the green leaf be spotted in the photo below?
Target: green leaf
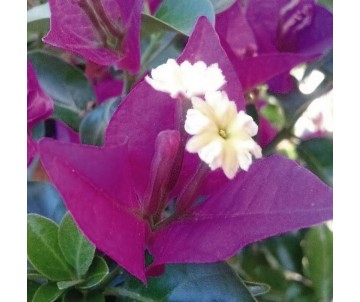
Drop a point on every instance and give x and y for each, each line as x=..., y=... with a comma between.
x=44, y=199
x=318, y=248
x=77, y=250
x=152, y=25
x=257, y=289
x=327, y=3
x=32, y=287
x=182, y=15
x=65, y=83
x=285, y=250
x=43, y=249
x=38, y=18
x=273, y=114
x=68, y=116
x=93, y=125
x=222, y=5
x=190, y=282
x=97, y=272
x=47, y=292
x=34, y=275
x=76, y=296
x=68, y=284
x=318, y=155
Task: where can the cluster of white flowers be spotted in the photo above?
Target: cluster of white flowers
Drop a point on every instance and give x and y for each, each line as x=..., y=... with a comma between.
x=221, y=135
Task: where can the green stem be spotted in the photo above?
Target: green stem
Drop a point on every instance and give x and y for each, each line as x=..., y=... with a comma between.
x=122, y=292
x=129, y=82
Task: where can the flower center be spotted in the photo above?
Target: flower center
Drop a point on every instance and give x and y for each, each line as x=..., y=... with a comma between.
x=223, y=133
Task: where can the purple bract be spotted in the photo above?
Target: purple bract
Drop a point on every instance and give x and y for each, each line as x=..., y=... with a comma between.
x=103, y=31
x=117, y=193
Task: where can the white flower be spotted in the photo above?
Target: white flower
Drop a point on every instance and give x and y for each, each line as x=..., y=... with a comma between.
x=221, y=135
x=186, y=79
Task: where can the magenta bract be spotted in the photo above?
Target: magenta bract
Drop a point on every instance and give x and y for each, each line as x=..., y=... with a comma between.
x=39, y=107
x=276, y=36
x=106, y=31
x=115, y=192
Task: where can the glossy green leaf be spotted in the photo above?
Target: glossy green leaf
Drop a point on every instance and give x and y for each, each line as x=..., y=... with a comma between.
x=38, y=18
x=182, y=15
x=222, y=5
x=318, y=249
x=190, y=282
x=43, y=249
x=77, y=250
x=76, y=296
x=47, y=292
x=93, y=125
x=32, y=287
x=97, y=272
x=318, y=155
x=65, y=83
x=68, y=284
x=44, y=199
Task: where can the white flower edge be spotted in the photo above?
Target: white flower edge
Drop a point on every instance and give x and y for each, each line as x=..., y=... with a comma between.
x=186, y=79
x=221, y=135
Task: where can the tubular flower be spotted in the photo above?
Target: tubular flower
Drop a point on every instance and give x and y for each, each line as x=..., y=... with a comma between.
x=221, y=135
x=186, y=79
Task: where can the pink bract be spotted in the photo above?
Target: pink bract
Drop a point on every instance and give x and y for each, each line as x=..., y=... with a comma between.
x=112, y=191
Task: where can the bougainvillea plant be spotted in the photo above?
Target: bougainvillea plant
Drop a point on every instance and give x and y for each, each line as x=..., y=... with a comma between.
x=164, y=158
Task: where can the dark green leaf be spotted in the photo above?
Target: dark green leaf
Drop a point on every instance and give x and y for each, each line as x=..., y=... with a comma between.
x=32, y=287
x=68, y=284
x=44, y=199
x=97, y=272
x=33, y=274
x=190, y=282
x=152, y=25
x=66, y=84
x=222, y=5
x=78, y=251
x=76, y=296
x=182, y=15
x=318, y=248
x=318, y=155
x=93, y=125
x=257, y=289
x=286, y=251
x=47, y=292
x=68, y=116
x=43, y=249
